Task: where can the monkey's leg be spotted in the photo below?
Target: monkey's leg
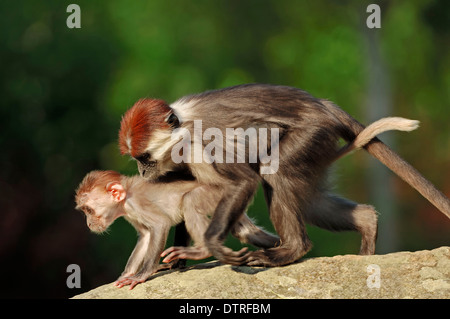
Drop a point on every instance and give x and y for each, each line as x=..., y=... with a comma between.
x=181, y=238
x=232, y=206
x=339, y=214
x=247, y=232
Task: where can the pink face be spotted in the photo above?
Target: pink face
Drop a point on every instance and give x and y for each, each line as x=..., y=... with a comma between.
x=102, y=208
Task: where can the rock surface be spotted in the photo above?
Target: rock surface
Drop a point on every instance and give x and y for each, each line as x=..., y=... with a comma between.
x=421, y=274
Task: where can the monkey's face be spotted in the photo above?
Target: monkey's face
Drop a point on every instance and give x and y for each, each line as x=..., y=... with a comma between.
x=95, y=222
x=100, y=210
x=145, y=134
x=148, y=168
x=156, y=160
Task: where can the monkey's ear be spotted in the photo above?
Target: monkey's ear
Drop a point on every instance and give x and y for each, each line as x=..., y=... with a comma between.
x=116, y=190
x=172, y=120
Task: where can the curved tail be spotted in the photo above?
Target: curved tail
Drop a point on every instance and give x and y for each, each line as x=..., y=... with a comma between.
x=352, y=131
x=378, y=127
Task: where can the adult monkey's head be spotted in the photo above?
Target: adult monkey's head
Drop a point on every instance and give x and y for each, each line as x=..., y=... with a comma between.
x=145, y=134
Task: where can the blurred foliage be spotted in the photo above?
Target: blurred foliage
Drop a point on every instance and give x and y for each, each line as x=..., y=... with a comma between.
x=63, y=91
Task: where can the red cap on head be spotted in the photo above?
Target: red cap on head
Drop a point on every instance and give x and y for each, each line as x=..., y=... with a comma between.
x=139, y=123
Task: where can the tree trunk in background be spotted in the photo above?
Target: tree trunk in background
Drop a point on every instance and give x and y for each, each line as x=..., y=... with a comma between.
x=378, y=105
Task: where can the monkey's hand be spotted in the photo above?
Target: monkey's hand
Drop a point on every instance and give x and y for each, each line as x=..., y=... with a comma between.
x=172, y=265
x=229, y=256
x=180, y=252
x=175, y=264
x=132, y=280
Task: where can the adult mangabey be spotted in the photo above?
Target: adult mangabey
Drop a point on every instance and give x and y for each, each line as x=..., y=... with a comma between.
x=309, y=129
x=152, y=208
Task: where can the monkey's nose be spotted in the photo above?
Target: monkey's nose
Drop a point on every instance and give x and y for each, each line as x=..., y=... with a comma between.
x=143, y=173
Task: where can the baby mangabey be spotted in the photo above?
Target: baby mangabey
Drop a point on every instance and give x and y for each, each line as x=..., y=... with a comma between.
x=152, y=208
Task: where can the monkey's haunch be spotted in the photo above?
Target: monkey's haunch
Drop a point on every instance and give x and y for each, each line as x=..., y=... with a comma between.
x=393, y=161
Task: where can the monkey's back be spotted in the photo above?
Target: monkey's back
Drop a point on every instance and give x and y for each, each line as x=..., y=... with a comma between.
x=241, y=105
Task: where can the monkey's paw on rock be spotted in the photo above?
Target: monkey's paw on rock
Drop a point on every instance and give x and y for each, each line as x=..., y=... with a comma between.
x=421, y=274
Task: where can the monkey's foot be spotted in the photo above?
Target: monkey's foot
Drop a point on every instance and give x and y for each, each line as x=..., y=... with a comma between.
x=180, y=252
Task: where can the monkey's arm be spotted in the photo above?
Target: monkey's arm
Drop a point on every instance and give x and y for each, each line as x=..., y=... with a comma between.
x=145, y=258
x=229, y=210
x=199, y=203
x=195, y=223
x=195, y=206
x=180, y=252
x=182, y=240
x=137, y=256
x=245, y=230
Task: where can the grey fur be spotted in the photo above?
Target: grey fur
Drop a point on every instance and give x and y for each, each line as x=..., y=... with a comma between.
x=309, y=132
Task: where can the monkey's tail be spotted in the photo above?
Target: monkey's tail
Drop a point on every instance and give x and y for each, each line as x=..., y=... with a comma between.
x=378, y=127
x=390, y=159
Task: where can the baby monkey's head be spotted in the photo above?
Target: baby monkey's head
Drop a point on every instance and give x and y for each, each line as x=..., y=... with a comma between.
x=101, y=196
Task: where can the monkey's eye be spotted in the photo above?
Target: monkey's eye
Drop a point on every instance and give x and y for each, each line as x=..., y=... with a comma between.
x=144, y=158
x=172, y=120
x=88, y=210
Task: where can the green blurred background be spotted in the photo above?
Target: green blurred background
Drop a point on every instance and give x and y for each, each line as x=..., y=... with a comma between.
x=63, y=91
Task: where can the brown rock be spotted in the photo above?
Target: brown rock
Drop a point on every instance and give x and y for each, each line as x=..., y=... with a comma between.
x=421, y=274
